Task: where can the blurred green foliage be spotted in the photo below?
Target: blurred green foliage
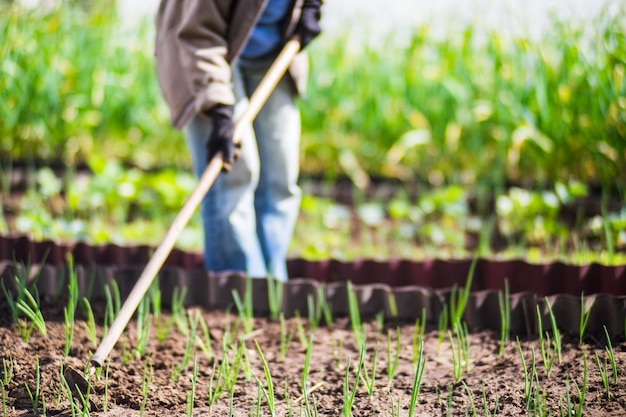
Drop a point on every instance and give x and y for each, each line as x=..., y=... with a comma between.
x=468, y=108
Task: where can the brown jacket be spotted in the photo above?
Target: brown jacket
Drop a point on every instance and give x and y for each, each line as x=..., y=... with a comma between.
x=197, y=41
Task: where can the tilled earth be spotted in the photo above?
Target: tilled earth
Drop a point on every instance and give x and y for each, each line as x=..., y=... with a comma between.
x=135, y=385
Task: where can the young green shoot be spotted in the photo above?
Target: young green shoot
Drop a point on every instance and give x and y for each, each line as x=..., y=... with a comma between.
x=300, y=330
x=105, y=400
x=442, y=324
x=203, y=341
x=3, y=398
x=305, y=374
x=418, y=335
x=69, y=311
x=35, y=396
x=7, y=371
x=457, y=367
x=113, y=304
x=393, y=360
x=556, y=333
x=314, y=310
x=584, y=318
x=471, y=399
x=286, y=336
x=358, y=330
x=528, y=377
x=368, y=381
x=269, y=391
x=325, y=306
x=504, y=304
x=90, y=323
x=146, y=379
x=457, y=306
x=30, y=307
x=604, y=375
x=611, y=355
x=488, y=412
x=545, y=346
x=163, y=325
x=244, y=311
x=350, y=394
x=144, y=324
x=178, y=310
x=582, y=392
x=191, y=395
x=417, y=381
x=274, y=297
x=215, y=389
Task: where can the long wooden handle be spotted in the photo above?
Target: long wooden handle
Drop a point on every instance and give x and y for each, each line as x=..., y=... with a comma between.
x=260, y=95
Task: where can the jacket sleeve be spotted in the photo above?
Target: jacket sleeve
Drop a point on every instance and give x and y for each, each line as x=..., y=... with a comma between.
x=203, y=50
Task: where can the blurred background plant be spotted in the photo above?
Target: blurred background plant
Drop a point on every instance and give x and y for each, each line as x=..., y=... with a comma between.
x=461, y=116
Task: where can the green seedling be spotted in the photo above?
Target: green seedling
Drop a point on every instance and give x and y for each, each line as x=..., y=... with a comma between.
x=7, y=371
x=350, y=394
x=113, y=304
x=338, y=351
x=30, y=307
x=305, y=376
x=548, y=354
x=179, y=316
x=417, y=381
x=90, y=323
x=556, y=333
x=457, y=306
x=611, y=355
x=528, y=377
x=244, y=311
x=204, y=341
x=269, y=391
x=275, y=290
x=471, y=399
x=144, y=325
x=504, y=305
x=325, y=305
x=215, y=389
x=584, y=318
x=191, y=395
x=457, y=364
x=604, y=375
x=418, y=335
x=146, y=380
x=393, y=360
x=163, y=325
x=105, y=400
x=358, y=331
x=25, y=304
x=69, y=311
x=4, y=399
x=367, y=378
x=286, y=336
x=394, y=405
x=582, y=392
x=449, y=401
x=314, y=310
x=192, y=326
x=300, y=330
x=35, y=396
x=488, y=412
x=442, y=324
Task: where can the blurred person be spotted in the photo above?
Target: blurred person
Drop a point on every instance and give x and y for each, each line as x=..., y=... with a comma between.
x=210, y=56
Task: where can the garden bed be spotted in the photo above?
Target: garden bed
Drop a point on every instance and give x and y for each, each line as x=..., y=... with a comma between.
x=463, y=373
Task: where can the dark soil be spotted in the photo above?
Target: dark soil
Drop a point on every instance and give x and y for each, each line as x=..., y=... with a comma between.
x=496, y=382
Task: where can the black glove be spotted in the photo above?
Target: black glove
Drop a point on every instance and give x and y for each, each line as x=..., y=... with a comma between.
x=221, y=138
x=309, y=25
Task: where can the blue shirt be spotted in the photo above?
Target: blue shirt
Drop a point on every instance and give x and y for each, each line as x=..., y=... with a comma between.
x=267, y=35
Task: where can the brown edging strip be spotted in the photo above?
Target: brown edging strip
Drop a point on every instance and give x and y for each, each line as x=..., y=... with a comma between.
x=400, y=303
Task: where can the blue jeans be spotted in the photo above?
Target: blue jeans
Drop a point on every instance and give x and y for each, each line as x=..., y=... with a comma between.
x=249, y=213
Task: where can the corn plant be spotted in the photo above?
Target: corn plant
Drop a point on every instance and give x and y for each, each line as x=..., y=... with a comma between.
x=504, y=305
x=269, y=391
x=417, y=381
